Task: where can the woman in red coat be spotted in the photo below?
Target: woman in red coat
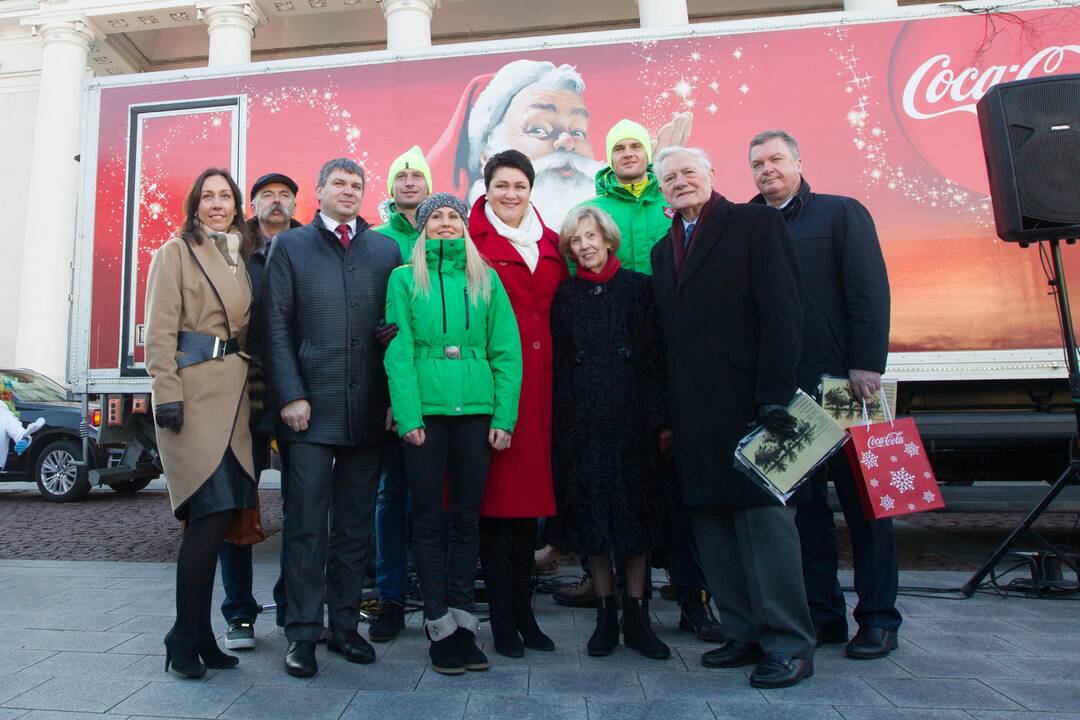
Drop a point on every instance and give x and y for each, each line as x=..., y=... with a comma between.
x=513, y=239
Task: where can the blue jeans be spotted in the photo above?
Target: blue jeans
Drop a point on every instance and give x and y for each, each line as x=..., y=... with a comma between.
x=392, y=525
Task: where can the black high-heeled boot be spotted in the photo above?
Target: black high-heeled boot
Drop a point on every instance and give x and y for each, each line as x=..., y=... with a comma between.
x=521, y=568
x=182, y=653
x=210, y=652
x=495, y=561
x=606, y=635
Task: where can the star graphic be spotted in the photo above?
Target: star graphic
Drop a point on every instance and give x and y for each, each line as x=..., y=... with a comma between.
x=744, y=88
x=737, y=53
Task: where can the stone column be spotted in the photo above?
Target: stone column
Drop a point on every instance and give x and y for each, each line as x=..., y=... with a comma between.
x=869, y=4
x=408, y=23
x=42, y=332
x=231, y=26
x=663, y=13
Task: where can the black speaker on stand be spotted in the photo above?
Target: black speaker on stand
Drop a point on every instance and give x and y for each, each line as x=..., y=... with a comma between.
x=1031, y=138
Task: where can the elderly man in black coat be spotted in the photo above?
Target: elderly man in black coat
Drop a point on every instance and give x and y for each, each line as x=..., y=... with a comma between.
x=845, y=333
x=730, y=295
x=326, y=295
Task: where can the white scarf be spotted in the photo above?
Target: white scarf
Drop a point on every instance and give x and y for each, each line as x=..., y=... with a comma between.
x=524, y=237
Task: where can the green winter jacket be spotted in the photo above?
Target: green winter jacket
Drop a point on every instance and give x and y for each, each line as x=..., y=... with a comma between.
x=401, y=231
x=485, y=379
x=642, y=220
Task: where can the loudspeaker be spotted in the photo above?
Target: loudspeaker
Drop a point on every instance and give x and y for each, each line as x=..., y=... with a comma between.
x=1031, y=139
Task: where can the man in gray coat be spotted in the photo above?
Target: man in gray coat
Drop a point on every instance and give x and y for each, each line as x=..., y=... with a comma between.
x=326, y=296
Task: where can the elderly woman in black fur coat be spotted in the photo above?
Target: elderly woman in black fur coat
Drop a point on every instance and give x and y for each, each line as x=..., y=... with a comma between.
x=610, y=424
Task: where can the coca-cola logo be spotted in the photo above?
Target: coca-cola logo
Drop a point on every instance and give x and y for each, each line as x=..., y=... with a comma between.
x=935, y=88
x=893, y=438
x=940, y=68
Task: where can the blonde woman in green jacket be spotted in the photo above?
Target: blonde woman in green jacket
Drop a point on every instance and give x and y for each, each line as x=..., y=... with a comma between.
x=455, y=375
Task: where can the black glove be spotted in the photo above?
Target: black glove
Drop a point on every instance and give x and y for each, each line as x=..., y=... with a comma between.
x=170, y=415
x=777, y=420
x=384, y=332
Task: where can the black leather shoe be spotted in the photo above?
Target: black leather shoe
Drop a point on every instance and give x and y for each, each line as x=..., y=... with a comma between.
x=732, y=654
x=350, y=644
x=696, y=617
x=300, y=659
x=870, y=643
x=778, y=671
x=831, y=634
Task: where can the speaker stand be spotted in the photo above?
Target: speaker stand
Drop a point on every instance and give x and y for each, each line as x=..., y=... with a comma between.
x=1071, y=473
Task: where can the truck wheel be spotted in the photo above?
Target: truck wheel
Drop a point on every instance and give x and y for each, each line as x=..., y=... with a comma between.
x=58, y=478
x=130, y=487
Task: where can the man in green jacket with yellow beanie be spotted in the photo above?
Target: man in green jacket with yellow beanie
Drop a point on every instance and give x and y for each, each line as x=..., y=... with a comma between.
x=629, y=192
x=409, y=184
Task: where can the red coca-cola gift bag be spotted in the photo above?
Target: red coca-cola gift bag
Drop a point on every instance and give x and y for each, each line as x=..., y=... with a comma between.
x=892, y=472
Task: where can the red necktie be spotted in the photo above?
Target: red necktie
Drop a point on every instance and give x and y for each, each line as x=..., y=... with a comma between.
x=343, y=231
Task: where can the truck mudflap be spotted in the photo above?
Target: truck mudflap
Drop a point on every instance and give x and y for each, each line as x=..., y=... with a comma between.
x=140, y=459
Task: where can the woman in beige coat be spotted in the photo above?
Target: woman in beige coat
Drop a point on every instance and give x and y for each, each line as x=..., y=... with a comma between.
x=198, y=302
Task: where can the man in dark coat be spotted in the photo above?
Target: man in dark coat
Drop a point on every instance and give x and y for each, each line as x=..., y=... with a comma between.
x=845, y=333
x=273, y=200
x=729, y=291
x=325, y=298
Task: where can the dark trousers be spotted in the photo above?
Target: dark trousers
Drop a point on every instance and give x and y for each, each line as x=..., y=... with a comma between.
x=240, y=605
x=751, y=562
x=685, y=569
x=329, y=518
x=392, y=524
x=455, y=448
x=873, y=546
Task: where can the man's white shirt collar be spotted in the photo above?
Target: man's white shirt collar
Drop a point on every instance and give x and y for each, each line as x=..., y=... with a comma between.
x=332, y=225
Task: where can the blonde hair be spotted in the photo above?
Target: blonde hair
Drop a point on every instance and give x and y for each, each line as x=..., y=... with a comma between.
x=608, y=228
x=477, y=272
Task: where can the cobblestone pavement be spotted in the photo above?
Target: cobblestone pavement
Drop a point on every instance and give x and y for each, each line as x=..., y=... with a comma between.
x=82, y=640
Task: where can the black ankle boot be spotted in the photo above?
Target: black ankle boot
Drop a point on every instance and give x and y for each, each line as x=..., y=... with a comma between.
x=444, y=652
x=606, y=635
x=182, y=653
x=637, y=632
x=504, y=633
x=212, y=654
x=531, y=634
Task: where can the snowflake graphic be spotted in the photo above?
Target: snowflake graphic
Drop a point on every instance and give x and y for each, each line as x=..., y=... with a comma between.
x=893, y=458
x=887, y=503
x=912, y=449
x=902, y=480
x=911, y=507
x=873, y=482
x=927, y=474
x=868, y=458
x=929, y=496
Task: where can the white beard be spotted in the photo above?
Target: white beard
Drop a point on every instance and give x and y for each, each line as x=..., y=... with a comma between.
x=554, y=195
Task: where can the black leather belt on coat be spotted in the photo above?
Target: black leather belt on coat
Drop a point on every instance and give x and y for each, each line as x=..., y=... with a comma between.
x=193, y=348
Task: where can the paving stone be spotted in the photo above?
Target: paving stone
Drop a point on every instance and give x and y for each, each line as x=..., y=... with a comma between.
x=830, y=661
x=74, y=640
x=499, y=680
x=15, y=685
x=828, y=691
x=627, y=659
x=875, y=713
x=943, y=694
x=772, y=711
x=12, y=659
x=933, y=665
x=412, y=705
x=53, y=619
x=1060, y=697
x=143, y=644
x=11, y=713
x=83, y=695
x=379, y=676
x=671, y=709
x=61, y=715
x=1040, y=668
x=720, y=685
x=284, y=703
x=564, y=656
x=1042, y=645
x=1017, y=715
x=151, y=668
x=189, y=700
x=81, y=664
x=585, y=683
x=144, y=624
x=968, y=642
x=494, y=707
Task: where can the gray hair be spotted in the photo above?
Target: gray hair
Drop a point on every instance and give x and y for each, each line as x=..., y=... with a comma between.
x=663, y=155
x=608, y=228
x=344, y=165
x=763, y=137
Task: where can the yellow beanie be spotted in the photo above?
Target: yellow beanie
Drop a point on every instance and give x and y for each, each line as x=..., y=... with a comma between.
x=625, y=129
x=411, y=159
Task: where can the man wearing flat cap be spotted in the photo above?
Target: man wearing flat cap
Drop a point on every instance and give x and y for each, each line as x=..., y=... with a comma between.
x=273, y=201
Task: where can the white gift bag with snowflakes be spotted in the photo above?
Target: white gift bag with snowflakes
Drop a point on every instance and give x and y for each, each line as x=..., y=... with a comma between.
x=892, y=473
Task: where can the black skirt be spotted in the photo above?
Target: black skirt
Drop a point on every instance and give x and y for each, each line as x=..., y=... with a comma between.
x=229, y=488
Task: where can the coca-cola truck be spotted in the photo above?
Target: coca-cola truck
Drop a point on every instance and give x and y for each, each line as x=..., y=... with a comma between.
x=883, y=106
